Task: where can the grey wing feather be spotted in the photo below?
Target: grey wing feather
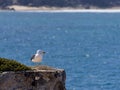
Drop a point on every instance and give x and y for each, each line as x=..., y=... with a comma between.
x=32, y=57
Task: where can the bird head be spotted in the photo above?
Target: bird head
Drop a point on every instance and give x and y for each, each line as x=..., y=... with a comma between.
x=40, y=52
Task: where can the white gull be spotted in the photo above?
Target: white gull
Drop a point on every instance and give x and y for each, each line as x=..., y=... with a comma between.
x=37, y=58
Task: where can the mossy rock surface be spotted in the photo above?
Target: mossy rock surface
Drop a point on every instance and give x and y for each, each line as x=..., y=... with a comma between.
x=12, y=65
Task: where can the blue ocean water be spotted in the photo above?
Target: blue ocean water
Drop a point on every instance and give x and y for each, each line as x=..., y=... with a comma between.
x=86, y=45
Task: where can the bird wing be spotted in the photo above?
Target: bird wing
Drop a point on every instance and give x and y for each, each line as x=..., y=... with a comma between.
x=33, y=57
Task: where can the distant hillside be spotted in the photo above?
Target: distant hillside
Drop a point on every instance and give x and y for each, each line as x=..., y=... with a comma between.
x=62, y=3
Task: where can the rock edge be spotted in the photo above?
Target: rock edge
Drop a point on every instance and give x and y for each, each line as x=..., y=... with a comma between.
x=40, y=78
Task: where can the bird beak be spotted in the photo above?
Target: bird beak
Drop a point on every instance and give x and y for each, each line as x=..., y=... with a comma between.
x=44, y=52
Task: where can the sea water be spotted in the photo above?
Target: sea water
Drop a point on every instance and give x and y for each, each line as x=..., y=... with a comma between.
x=86, y=45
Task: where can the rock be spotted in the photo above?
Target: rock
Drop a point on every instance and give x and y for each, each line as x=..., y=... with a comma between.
x=40, y=78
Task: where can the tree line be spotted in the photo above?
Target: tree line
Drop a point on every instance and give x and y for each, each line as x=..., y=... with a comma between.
x=62, y=3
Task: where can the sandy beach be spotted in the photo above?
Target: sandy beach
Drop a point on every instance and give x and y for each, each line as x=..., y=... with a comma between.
x=66, y=9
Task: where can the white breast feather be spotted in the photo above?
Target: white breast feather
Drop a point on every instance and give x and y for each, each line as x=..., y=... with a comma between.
x=38, y=58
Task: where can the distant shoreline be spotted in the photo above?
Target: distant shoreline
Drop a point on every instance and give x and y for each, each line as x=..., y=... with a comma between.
x=56, y=9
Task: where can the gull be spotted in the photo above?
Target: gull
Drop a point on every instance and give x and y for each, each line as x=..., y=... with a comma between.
x=37, y=58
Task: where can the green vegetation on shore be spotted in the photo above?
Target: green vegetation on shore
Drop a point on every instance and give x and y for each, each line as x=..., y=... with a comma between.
x=62, y=3
x=12, y=65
